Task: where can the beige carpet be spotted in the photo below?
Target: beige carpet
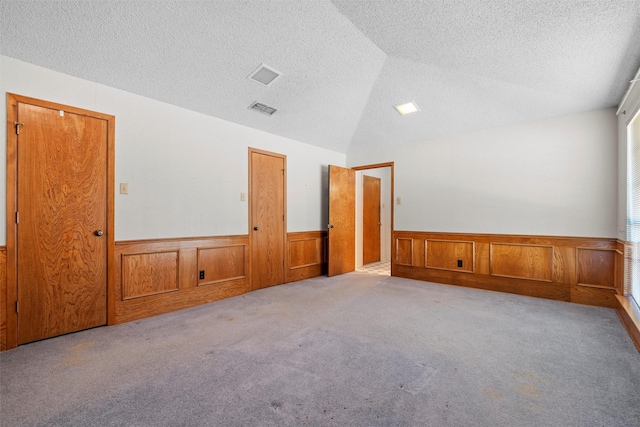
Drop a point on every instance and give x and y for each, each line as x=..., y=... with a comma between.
x=354, y=350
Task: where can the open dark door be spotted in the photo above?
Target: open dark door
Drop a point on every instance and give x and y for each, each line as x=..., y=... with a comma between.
x=342, y=220
x=371, y=222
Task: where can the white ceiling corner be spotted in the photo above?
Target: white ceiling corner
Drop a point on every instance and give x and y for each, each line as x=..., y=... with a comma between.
x=469, y=65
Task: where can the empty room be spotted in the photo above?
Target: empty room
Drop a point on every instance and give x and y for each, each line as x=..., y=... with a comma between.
x=320, y=212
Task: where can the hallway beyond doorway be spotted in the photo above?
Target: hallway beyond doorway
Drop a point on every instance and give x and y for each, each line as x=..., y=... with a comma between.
x=382, y=268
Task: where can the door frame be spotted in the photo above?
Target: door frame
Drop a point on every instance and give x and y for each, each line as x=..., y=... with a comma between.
x=250, y=206
x=392, y=166
x=12, y=203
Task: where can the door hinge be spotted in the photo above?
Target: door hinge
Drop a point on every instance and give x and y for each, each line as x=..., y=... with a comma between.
x=17, y=217
x=18, y=125
x=17, y=307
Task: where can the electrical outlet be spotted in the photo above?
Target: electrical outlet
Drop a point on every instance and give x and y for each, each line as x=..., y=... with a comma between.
x=459, y=263
x=201, y=274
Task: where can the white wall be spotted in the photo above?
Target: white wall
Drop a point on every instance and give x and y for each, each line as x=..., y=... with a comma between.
x=385, y=212
x=185, y=170
x=553, y=177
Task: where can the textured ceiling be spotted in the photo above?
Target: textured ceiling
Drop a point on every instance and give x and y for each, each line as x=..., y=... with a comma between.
x=468, y=65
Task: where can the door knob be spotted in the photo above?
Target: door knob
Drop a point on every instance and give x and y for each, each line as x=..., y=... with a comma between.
x=256, y=228
x=98, y=233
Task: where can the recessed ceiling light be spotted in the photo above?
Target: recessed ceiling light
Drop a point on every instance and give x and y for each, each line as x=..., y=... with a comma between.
x=264, y=75
x=409, y=107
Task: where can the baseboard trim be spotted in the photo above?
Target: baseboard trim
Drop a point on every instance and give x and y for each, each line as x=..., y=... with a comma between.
x=629, y=314
x=553, y=291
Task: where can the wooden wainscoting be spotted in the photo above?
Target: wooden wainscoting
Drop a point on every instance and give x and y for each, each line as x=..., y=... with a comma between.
x=3, y=298
x=533, y=262
x=146, y=274
x=306, y=255
x=163, y=275
x=581, y=270
x=449, y=255
x=221, y=264
x=404, y=252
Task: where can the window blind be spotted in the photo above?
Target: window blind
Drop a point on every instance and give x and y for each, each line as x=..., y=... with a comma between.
x=632, y=257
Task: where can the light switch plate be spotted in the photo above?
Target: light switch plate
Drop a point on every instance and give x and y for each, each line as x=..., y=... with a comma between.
x=243, y=197
x=399, y=200
x=124, y=188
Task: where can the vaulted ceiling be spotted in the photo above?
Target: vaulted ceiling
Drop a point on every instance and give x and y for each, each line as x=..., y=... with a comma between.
x=467, y=64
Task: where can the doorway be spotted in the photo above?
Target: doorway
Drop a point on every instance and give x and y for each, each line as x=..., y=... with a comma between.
x=59, y=219
x=345, y=217
x=267, y=217
x=373, y=220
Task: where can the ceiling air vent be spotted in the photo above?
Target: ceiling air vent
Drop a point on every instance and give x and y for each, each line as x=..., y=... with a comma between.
x=261, y=108
x=264, y=75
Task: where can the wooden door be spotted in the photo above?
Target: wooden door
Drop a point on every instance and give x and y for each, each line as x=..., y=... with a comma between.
x=342, y=220
x=62, y=217
x=267, y=218
x=370, y=219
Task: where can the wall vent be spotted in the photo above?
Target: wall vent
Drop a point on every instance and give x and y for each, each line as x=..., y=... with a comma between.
x=261, y=108
x=264, y=75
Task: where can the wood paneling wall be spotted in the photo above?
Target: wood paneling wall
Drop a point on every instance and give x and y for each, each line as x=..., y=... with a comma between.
x=533, y=262
x=145, y=274
x=159, y=276
x=581, y=270
x=163, y=275
x=221, y=264
x=3, y=298
x=306, y=255
x=449, y=255
x=404, y=251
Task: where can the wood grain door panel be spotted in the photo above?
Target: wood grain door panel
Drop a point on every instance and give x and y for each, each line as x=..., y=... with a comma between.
x=342, y=220
x=370, y=219
x=267, y=218
x=62, y=201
